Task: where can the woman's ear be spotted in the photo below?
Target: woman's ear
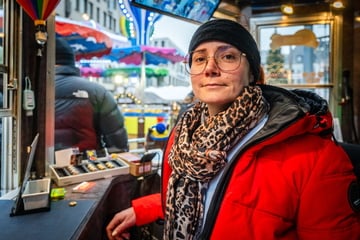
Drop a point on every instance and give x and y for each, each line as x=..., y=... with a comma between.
x=261, y=79
x=251, y=80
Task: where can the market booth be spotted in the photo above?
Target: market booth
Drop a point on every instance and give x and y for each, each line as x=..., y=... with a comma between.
x=81, y=196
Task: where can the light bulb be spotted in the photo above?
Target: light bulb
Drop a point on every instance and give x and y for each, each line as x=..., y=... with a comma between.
x=287, y=9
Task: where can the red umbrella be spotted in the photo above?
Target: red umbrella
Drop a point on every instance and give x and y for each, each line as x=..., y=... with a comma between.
x=145, y=55
x=151, y=55
x=86, y=41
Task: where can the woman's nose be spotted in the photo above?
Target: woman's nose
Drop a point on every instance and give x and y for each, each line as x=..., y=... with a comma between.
x=211, y=66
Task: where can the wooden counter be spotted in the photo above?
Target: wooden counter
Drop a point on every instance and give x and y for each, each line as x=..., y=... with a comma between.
x=62, y=222
x=87, y=220
x=110, y=195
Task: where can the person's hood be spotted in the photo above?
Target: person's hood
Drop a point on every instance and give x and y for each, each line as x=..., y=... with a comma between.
x=66, y=70
x=295, y=112
x=311, y=102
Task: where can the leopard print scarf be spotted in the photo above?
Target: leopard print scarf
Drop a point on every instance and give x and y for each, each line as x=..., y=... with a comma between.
x=199, y=153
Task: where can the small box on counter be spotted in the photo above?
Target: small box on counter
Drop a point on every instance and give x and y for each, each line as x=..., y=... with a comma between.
x=36, y=194
x=139, y=165
x=88, y=170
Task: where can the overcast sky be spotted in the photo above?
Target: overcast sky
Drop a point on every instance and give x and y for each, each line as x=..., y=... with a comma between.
x=179, y=31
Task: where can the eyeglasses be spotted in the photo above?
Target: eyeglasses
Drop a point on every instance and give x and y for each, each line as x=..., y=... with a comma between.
x=226, y=59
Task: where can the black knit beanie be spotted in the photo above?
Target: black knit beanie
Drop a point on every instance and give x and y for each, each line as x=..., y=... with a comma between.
x=64, y=53
x=231, y=32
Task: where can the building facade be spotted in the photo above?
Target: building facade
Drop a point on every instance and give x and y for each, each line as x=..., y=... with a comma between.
x=106, y=14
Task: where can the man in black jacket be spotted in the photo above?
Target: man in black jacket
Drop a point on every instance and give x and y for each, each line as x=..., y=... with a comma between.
x=86, y=114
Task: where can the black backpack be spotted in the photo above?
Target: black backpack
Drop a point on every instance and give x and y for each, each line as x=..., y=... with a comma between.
x=353, y=151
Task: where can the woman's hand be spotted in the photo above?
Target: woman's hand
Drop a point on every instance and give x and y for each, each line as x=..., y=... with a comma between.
x=121, y=222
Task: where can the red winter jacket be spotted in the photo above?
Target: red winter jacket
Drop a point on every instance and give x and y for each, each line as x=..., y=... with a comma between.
x=290, y=181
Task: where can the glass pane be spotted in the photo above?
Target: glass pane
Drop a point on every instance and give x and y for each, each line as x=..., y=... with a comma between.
x=2, y=94
x=1, y=31
x=8, y=164
x=2, y=66
x=2, y=163
x=297, y=54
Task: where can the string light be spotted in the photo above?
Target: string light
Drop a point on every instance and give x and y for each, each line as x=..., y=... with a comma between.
x=357, y=17
x=287, y=9
x=338, y=4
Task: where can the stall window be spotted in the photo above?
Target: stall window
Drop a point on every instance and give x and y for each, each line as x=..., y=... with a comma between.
x=299, y=52
x=9, y=160
x=3, y=164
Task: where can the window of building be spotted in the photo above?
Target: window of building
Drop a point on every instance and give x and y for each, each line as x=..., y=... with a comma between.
x=85, y=6
x=98, y=14
x=91, y=10
x=77, y=5
x=104, y=19
x=296, y=53
x=114, y=24
x=110, y=23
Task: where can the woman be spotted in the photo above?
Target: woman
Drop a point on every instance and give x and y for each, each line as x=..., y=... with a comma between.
x=247, y=161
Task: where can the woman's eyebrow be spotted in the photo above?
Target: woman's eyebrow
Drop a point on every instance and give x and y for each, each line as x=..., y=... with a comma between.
x=221, y=47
